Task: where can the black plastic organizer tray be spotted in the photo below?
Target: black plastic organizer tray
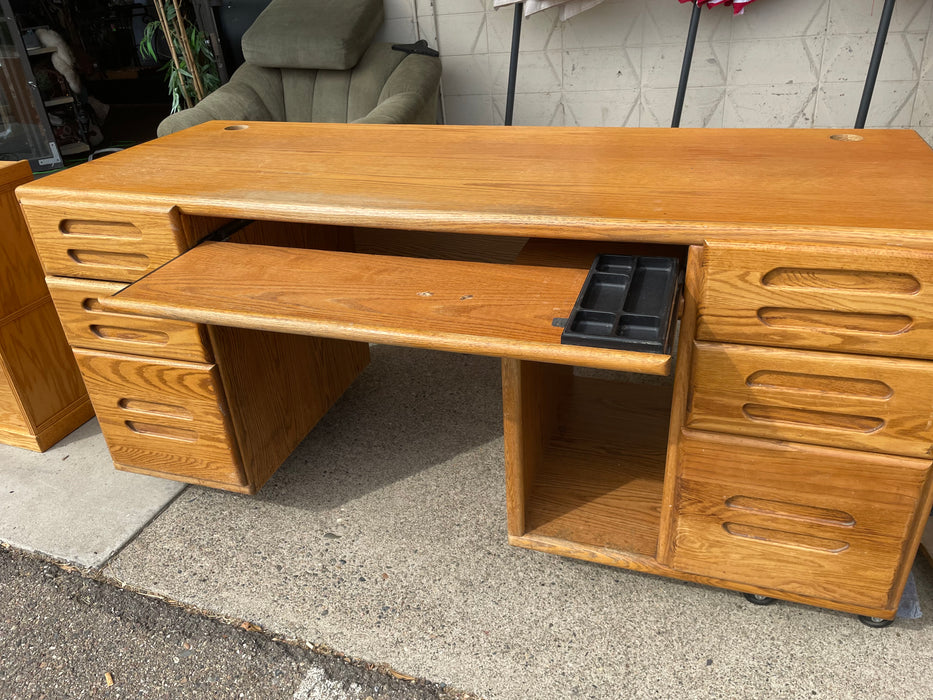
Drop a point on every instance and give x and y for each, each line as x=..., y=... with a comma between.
x=626, y=303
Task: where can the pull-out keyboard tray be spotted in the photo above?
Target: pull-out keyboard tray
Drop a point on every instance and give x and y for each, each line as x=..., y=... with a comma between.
x=479, y=308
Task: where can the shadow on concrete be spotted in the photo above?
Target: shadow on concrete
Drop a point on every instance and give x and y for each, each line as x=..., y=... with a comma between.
x=410, y=410
x=87, y=431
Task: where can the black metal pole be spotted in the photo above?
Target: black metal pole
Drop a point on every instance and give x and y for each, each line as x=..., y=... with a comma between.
x=685, y=68
x=875, y=63
x=513, y=62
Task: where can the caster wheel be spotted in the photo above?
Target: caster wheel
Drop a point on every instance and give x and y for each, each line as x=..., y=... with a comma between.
x=756, y=599
x=877, y=622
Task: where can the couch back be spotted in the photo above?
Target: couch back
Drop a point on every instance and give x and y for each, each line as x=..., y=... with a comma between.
x=312, y=34
x=338, y=95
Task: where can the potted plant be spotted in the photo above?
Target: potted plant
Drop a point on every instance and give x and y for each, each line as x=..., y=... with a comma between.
x=190, y=68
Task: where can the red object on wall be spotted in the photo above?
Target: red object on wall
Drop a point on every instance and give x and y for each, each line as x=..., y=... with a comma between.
x=737, y=5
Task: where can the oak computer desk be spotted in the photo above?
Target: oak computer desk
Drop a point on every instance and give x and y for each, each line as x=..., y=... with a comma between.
x=790, y=458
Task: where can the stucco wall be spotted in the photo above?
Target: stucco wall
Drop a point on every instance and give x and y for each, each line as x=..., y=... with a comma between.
x=784, y=63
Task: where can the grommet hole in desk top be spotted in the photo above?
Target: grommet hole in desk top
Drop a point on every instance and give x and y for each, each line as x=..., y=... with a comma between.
x=847, y=137
x=236, y=127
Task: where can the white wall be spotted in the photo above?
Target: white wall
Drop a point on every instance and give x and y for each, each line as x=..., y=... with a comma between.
x=784, y=63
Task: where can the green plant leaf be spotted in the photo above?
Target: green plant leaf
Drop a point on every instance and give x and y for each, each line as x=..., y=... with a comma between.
x=180, y=79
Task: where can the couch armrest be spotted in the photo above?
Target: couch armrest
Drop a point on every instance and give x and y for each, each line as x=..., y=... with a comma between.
x=253, y=94
x=409, y=95
x=404, y=108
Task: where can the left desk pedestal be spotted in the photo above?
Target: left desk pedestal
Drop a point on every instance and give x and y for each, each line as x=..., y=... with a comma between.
x=42, y=397
x=217, y=406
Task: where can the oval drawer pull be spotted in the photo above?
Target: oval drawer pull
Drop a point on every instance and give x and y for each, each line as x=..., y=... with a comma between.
x=842, y=280
x=99, y=229
x=834, y=321
x=130, y=335
x=162, y=431
x=108, y=258
x=156, y=409
x=93, y=305
x=851, y=387
x=815, y=419
x=795, y=511
x=787, y=539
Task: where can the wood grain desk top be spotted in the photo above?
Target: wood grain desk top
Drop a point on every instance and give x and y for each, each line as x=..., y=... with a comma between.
x=666, y=185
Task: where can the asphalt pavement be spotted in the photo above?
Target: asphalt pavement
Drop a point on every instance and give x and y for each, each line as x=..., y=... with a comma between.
x=64, y=633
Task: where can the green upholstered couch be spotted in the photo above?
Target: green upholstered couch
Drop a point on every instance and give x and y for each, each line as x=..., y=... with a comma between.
x=314, y=61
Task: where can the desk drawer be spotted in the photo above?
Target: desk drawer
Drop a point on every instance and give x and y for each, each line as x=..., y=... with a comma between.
x=813, y=521
x=88, y=326
x=853, y=300
x=120, y=244
x=163, y=417
x=874, y=404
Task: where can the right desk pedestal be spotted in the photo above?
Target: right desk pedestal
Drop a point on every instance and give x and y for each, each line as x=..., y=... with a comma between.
x=799, y=472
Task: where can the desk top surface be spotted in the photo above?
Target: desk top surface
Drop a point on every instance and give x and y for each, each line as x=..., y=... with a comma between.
x=669, y=185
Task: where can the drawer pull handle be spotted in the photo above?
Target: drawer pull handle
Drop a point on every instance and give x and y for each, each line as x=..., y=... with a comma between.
x=834, y=321
x=787, y=539
x=130, y=335
x=156, y=409
x=162, y=431
x=795, y=511
x=812, y=419
x=106, y=258
x=852, y=387
x=100, y=229
x=842, y=280
x=93, y=305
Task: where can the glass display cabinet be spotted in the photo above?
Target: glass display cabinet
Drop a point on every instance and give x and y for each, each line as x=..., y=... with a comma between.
x=25, y=131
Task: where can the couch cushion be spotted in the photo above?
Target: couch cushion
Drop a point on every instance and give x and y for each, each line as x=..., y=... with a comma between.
x=326, y=34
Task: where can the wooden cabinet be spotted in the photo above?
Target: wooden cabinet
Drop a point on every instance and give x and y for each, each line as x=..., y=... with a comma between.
x=11, y=413
x=788, y=457
x=42, y=397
